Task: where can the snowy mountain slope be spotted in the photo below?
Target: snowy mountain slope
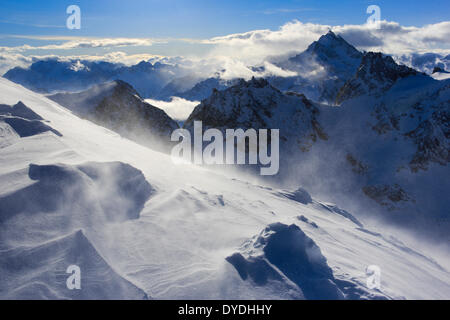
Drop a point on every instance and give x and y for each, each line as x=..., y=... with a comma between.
x=258, y=105
x=392, y=148
x=386, y=149
x=39, y=272
x=193, y=221
x=22, y=120
x=117, y=106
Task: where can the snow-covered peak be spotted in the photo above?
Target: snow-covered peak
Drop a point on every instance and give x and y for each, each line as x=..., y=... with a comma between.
x=331, y=40
x=257, y=104
x=376, y=74
x=333, y=52
x=322, y=68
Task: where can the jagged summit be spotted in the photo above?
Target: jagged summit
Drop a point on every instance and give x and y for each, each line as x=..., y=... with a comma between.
x=254, y=82
x=331, y=45
x=376, y=74
x=330, y=39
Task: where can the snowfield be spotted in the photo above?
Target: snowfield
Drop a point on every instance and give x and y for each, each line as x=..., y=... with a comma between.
x=140, y=226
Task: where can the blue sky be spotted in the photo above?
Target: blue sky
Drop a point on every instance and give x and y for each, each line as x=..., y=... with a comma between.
x=202, y=18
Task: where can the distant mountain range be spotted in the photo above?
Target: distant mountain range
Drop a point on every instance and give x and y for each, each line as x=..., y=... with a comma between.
x=321, y=70
x=53, y=75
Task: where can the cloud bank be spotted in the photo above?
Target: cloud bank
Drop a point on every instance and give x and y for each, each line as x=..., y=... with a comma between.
x=294, y=37
x=178, y=108
x=234, y=53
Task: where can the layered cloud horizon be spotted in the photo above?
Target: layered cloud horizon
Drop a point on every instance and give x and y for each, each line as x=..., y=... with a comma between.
x=234, y=53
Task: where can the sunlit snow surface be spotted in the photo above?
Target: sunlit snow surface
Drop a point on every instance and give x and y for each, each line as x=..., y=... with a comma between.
x=177, y=246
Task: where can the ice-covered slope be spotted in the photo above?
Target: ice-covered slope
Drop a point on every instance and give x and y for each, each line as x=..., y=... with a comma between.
x=193, y=221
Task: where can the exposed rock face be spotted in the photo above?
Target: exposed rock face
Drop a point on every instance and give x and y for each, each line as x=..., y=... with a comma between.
x=357, y=166
x=387, y=195
x=432, y=138
x=376, y=74
x=439, y=69
x=424, y=121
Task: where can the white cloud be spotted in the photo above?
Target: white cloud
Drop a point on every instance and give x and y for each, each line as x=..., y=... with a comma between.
x=236, y=52
x=178, y=108
x=10, y=60
x=393, y=38
x=80, y=43
x=101, y=43
x=273, y=70
x=254, y=46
